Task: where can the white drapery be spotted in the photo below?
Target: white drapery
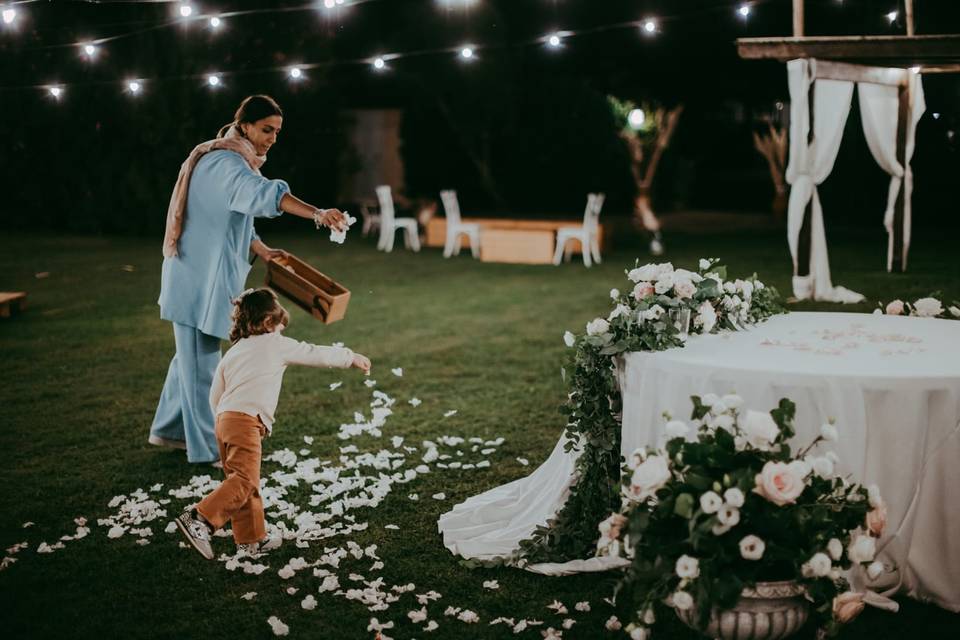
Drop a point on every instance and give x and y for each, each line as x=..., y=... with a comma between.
x=880, y=109
x=809, y=165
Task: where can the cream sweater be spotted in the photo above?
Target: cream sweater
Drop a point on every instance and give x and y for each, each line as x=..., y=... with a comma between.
x=249, y=376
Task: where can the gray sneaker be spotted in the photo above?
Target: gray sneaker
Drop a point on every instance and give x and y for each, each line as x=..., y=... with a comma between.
x=196, y=532
x=257, y=549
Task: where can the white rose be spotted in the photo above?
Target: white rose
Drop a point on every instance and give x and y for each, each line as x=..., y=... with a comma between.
x=823, y=467
x=732, y=400
x=646, y=272
x=709, y=399
x=653, y=313
x=718, y=407
x=724, y=422
x=706, y=317
x=954, y=311
x=927, y=307
x=875, y=570
x=569, y=339
x=747, y=288
x=682, y=600
x=710, y=502
x=820, y=564
x=664, y=268
x=873, y=494
x=614, y=293
x=719, y=529
x=597, y=326
x=751, y=548
x=833, y=457
x=664, y=284
x=728, y=515
x=685, y=289
x=704, y=264
x=677, y=429
x=835, y=548
x=760, y=429
x=688, y=567
x=733, y=497
x=829, y=432
x=862, y=549
x=613, y=624
x=649, y=476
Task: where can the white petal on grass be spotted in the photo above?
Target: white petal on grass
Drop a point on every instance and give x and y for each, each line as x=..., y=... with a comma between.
x=523, y=461
x=431, y=626
x=279, y=629
x=308, y=439
x=416, y=402
x=335, y=385
x=582, y=606
x=249, y=595
x=439, y=496
x=392, y=526
x=370, y=383
x=397, y=372
x=26, y=524
x=491, y=584
x=309, y=603
x=450, y=413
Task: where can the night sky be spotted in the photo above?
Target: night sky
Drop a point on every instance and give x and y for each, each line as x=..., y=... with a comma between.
x=534, y=114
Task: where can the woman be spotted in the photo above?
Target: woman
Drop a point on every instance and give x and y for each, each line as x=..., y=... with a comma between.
x=207, y=244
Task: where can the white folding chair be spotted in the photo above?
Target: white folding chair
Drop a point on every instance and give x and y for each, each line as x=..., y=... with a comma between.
x=588, y=233
x=371, y=219
x=456, y=227
x=389, y=224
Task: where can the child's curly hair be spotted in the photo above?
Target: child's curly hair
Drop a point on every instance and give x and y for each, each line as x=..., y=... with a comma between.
x=256, y=311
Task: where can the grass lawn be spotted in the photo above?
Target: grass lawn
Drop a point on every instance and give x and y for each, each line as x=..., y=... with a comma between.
x=83, y=367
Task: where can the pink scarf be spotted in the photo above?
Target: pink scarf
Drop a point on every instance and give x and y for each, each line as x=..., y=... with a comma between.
x=177, y=210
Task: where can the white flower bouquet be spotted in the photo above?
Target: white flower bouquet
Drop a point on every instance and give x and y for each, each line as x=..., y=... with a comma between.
x=726, y=503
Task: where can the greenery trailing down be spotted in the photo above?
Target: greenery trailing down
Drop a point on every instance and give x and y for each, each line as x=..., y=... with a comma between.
x=648, y=318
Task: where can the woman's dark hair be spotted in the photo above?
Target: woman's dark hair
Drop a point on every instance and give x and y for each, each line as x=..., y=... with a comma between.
x=253, y=108
x=256, y=312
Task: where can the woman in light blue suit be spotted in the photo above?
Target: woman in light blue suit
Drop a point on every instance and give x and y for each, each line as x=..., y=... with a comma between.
x=207, y=247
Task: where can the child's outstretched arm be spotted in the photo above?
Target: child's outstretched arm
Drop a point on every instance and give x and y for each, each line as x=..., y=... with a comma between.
x=312, y=355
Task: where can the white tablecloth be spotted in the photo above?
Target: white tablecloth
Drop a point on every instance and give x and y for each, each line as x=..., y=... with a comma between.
x=891, y=383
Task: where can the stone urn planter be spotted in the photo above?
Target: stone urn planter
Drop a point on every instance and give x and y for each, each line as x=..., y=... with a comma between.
x=770, y=610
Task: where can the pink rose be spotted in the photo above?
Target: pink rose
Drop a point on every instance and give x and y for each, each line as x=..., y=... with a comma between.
x=877, y=520
x=847, y=606
x=780, y=483
x=617, y=521
x=685, y=289
x=895, y=308
x=642, y=290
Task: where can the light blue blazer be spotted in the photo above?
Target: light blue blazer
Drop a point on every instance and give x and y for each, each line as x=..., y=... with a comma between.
x=225, y=195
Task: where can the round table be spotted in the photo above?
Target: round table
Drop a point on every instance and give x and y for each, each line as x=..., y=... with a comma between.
x=891, y=383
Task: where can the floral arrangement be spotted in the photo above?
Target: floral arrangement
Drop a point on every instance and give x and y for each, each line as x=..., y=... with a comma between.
x=929, y=307
x=660, y=308
x=726, y=503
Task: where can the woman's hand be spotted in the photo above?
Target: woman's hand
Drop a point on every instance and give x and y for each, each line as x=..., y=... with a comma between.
x=333, y=219
x=265, y=253
x=361, y=362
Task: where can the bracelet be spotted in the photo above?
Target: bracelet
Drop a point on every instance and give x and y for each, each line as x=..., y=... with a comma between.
x=318, y=217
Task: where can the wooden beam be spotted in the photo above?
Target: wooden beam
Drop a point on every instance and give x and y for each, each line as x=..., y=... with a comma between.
x=897, y=51
x=908, y=5
x=797, y=18
x=829, y=70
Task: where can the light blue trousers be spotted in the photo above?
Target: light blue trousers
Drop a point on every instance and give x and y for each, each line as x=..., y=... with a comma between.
x=184, y=412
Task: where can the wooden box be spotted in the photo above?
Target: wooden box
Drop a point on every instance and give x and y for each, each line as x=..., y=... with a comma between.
x=309, y=289
x=518, y=246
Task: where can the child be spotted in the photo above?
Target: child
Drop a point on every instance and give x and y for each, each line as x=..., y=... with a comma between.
x=244, y=396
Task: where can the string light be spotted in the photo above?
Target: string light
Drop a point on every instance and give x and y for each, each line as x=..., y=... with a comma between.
x=215, y=23
x=892, y=16
x=185, y=10
x=295, y=73
x=915, y=69
x=636, y=118
x=466, y=53
x=329, y=4
x=9, y=15
x=213, y=80
x=90, y=50
x=379, y=63
x=650, y=26
x=554, y=40
x=56, y=91
x=134, y=86
x=744, y=11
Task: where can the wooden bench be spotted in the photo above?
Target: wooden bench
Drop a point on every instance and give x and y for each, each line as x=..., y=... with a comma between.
x=12, y=302
x=509, y=240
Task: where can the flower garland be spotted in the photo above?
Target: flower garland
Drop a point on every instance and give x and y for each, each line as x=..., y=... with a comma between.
x=725, y=504
x=929, y=307
x=652, y=316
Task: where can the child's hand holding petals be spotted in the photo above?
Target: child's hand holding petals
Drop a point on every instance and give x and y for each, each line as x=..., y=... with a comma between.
x=361, y=362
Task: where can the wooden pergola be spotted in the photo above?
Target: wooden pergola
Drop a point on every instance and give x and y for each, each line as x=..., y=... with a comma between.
x=887, y=60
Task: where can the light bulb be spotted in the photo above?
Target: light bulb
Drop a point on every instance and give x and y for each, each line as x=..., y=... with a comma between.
x=466, y=53
x=295, y=73
x=9, y=15
x=636, y=118
x=379, y=63
x=554, y=40
x=650, y=26
x=744, y=10
x=213, y=80
x=55, y=91
x=215, y=22
x=134, y=86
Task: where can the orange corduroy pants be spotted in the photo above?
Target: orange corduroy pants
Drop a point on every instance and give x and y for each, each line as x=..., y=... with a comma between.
x=237, y=500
